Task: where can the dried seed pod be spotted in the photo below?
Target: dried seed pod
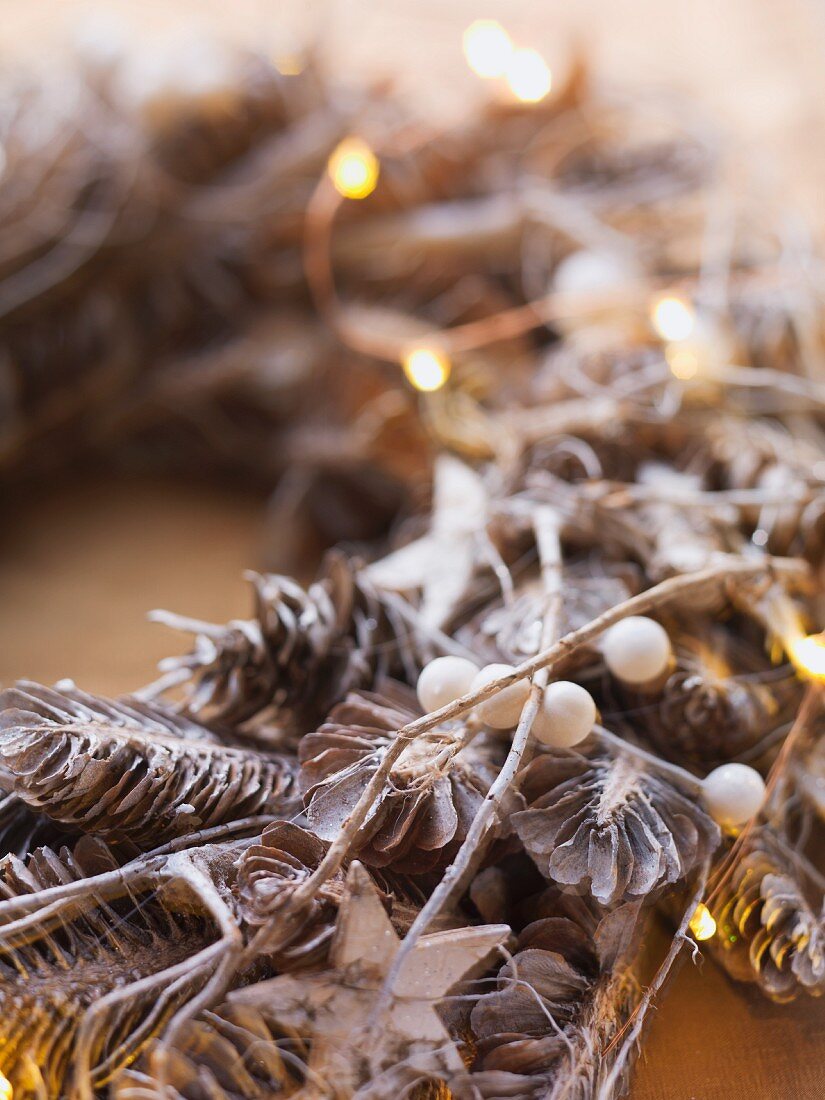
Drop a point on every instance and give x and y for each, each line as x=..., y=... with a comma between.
x=128, y=771
x=434, y=791
x=546, y=1018
x=62, y=968
x=768, y=930
x=610, y=826
x=235, y=1052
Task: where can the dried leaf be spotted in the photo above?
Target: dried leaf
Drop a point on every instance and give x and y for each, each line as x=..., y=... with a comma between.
x=442, y=563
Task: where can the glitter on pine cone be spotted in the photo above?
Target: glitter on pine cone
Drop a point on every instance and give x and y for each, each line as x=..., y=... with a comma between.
x=768, y=931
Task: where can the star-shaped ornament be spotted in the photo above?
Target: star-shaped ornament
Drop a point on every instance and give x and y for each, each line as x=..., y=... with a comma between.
x=350, y=1057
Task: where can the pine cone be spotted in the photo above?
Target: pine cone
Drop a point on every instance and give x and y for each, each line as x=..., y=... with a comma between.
x=610, y=825
x=304, y=650
x=268, y=872
x=432, y=795
x=543, y=1019
x=511, y=631
x=716, y=705
x=768, y=931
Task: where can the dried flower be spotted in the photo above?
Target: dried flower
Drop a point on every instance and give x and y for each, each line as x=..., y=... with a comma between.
x=65, y=966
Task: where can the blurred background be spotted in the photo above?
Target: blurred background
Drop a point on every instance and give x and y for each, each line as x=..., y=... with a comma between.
x=82, y=561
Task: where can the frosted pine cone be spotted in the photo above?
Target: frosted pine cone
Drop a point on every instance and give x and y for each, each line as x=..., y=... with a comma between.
x=610, y=825
x=301, y=653
x=768, y=931
x=432, y=795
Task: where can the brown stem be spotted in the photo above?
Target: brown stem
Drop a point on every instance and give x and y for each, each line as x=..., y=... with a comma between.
x=548, y=658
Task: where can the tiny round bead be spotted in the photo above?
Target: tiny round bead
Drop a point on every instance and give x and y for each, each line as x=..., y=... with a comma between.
x=566, y=715
x=588, y=271
x=636, y=649
x=503, y=710
x=732, y=794
x=444, y=680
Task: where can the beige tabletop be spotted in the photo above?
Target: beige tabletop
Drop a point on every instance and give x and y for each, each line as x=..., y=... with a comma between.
x=80, y=564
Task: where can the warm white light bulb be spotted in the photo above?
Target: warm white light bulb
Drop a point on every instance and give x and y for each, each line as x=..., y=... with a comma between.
x=808, y=655
x=353, y=168
x=673, y=318
x=487, y=48
x=528, y=76
x=702, y=923
x=426, y=368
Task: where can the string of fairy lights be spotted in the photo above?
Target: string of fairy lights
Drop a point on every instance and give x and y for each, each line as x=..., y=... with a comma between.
x=693, y=344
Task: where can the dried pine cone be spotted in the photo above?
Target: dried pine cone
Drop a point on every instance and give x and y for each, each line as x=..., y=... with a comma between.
x=540, y=1027
x=301, y=653
x=432, y=795
x=610, y=825
x=767, y=930
x=552, y=970
x=268, y=872
x=235, y=1052
x=720, y=701
x=511, y=631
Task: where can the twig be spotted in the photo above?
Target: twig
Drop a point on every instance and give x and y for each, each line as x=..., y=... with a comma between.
x=637, y=1019
x=472, y=849
x=653, y=598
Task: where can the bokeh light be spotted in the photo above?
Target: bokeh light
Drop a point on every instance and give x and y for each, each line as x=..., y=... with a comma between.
x=487, y=48
x=426, y=369
x=353, y=168
x=528, y=76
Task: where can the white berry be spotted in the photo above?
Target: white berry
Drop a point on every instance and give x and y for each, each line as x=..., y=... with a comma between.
x=566, y=715
x=588, y=271
x=636, y=649
x=503, y=710
x=444, y=680
x=733, y=794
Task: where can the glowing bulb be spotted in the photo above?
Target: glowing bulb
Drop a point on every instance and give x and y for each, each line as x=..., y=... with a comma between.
x=702, y=924
x=683, y=361
x=528, y=76
x=6, y=1091
x=289, y=64
x=426, y=369
x=487, y=48
x=673, y=318
x=353, y=168
x=808, y=655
